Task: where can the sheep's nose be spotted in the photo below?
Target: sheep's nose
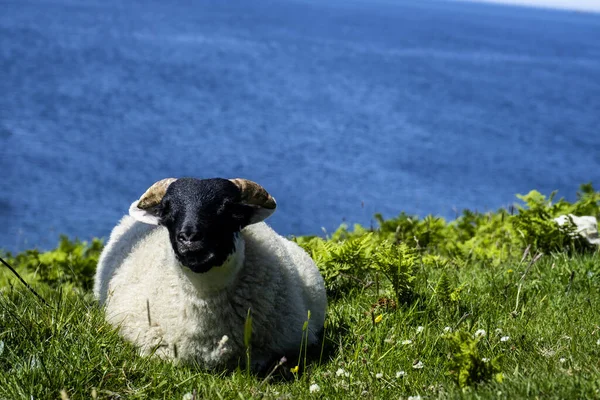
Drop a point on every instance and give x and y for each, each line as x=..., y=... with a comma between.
x=188, y=236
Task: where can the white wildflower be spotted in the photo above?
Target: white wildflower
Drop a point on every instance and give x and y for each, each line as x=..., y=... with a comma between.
x=447, y=329
x=34, y=362
x=418, y=365
x=400, y=374
x=417, y=397
x=342, y=372
x=485, y=359
x=188, y=396
x=505, y=338
x=480, y=333
x=420, y=329
x=221, y=349
x=314, y=388
x=223, y=340
x=547, y=352
x=598, y=342
x=562, y=360
x=379, y=375
x=407, y=341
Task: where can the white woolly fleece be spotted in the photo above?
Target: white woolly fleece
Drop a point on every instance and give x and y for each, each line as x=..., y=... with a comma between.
x=161, y=305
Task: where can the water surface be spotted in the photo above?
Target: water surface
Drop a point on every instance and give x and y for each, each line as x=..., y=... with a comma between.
x=340, y=109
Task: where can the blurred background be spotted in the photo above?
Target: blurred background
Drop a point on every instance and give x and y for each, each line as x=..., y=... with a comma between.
x=340, y=109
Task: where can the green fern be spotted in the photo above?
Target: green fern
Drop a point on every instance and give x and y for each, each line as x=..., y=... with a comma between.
x=72, y=263
x=397, y=262
x=443, y=289
x=467, y=366
x=538, y=230
x=344, y=264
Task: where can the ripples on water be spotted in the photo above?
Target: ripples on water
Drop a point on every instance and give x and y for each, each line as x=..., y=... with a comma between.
x=340, y=109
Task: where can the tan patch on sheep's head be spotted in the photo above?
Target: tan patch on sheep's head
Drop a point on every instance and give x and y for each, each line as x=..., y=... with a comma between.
x=254, y=194
x=153, y=196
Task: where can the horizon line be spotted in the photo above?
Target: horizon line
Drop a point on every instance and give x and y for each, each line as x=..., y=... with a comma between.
x=588, y=6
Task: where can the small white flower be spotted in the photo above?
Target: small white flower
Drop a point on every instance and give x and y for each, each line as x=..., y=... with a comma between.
x=598, y=342
x=342, y=372
x=480, y=333
x=188, y=396
x=34, y=362
x=485, y=359
x=417, y=397
x=447, y=329
x=400, y=374
x=547, y=352
x=221, y=349
x=418, y=365
x=314, y=388
x=562, y=360
x=379, y=375
x=505, y=338
x=420, y=329
x=407, y=341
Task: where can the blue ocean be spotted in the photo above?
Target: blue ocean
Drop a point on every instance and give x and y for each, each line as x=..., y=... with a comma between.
x=340, y=109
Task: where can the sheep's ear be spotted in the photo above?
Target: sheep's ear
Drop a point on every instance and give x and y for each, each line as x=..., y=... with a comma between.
x=148, y=216
x=257, y=198
x=145, y=209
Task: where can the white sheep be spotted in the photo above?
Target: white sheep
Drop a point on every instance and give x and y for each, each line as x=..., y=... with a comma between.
x=179, y=274
x=585, y=226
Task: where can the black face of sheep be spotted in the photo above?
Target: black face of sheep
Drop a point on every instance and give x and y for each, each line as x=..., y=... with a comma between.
x=203, y=216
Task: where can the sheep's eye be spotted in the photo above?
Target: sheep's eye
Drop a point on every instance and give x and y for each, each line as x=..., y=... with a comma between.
x=162, y=211
x=224, y=208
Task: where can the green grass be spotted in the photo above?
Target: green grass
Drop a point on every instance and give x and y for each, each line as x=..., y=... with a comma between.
x=551, y=317
x=540, y=316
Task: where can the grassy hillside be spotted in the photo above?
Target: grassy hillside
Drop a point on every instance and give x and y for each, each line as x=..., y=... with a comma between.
x=495, y=305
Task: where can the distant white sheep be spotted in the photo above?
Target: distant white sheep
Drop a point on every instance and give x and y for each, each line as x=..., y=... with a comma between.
x=585, y=226
x=179, y=274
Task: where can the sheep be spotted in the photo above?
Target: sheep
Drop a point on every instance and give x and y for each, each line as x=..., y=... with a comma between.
x=182, y=272
x=585, y=226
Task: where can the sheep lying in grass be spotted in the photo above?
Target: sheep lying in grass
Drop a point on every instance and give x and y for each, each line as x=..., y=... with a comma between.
x=179, y=274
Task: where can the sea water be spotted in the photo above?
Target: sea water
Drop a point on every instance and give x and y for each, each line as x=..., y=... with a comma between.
x=340, y=109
